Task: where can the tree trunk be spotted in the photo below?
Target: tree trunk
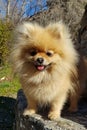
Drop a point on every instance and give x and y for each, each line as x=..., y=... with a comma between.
x=8, y=11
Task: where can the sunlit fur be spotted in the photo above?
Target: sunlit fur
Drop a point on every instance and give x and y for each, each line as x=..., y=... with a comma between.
x=52, y=85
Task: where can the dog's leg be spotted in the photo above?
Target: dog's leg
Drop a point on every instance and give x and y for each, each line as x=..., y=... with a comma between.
x=56, y=107
x=31, y=108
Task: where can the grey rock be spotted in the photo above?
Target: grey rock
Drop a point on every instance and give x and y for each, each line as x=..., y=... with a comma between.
x=7, y=114
x=82, y=38
x=69, y=11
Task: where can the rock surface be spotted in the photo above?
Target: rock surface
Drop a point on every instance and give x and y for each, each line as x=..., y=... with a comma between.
x=69, y=11
x=7, y=114
x=74, y=121
x=83, y=34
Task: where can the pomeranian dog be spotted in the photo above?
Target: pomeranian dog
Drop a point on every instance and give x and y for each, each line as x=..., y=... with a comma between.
x=46, y=62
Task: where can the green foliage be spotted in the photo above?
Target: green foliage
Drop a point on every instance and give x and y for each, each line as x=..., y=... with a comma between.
x=5, y=35
x=10, y=85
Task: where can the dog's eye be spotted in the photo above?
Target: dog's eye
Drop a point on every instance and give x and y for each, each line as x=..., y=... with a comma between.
x=33, y=52
x=49, y=53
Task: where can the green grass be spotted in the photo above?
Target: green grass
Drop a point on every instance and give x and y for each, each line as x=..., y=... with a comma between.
x=9, y=86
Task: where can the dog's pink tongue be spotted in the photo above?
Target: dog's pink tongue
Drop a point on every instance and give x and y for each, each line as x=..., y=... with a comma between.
x=40, y=67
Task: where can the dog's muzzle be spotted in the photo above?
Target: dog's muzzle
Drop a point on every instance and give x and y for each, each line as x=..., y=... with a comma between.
x=39, y=64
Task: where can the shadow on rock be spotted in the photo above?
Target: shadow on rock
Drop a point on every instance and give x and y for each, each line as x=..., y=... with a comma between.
x=7, y=113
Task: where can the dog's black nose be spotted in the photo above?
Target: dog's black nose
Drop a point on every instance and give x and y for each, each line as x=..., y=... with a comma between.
x=40, y=60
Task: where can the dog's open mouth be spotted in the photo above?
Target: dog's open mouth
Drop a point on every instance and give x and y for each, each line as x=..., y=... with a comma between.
x=42, y=67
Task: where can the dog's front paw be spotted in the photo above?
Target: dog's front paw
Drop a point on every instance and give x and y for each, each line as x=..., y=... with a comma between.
x=29, y=112
x=53, y=115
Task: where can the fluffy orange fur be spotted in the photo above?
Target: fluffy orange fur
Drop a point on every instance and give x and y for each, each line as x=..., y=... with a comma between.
x=45, y=59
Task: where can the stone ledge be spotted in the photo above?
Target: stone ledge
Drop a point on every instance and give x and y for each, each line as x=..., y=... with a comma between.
x=7, y=114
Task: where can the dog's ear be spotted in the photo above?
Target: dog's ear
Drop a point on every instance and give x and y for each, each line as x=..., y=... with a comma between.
x=25, y=30
x=58, y=30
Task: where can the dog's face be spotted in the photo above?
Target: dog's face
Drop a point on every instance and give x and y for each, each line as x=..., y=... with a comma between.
x=41, y=59
x=42, y=48
x=41, y=52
